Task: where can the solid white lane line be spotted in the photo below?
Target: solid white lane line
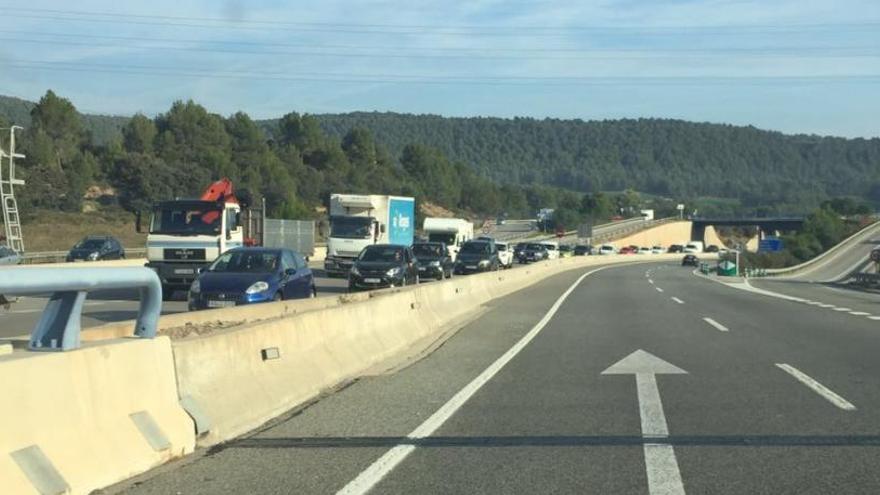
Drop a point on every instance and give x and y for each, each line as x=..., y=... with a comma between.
x=24, y=311
x=658, y=289
x=842, y=309
x=373, y=474
x=718, y=326
x=817, y=387
x=679, y=301
x=859, y=313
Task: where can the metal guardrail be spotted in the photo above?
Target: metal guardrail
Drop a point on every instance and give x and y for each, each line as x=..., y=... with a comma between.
x=58, y=328
x=60, y=256
x=867, y=279
x=791, y=270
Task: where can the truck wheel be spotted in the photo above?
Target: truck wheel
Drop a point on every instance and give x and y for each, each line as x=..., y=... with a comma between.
x=441, y=275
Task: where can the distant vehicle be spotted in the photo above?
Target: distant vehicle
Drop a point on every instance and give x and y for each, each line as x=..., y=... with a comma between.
x=383, y=265
x=358, y=221
x=451, y=231
x=675, y=248
x=582, y=250
x=565, y=250
x=500, y=221
x=433, y=260
x=477, y=256
x=627, y=250
x=690, y=260
x=95, y=248
x=657, y=250
x=552, y=249
x=505, y=254
x=644, y=250
x=694, y=247
x=518, y=249
x=607, y=249
x=248, y=275
x=560, y=231
x=8, y=256
x=647, y=214
x=712, y=248
x=533, y=252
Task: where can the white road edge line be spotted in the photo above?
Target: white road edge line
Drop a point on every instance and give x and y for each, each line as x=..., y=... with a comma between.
x=817, y=387
x=679, y=301
x=718, y=326
x=372, y=475
x=658, y=289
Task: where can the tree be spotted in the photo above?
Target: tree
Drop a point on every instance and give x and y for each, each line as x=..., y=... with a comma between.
x=138, y=134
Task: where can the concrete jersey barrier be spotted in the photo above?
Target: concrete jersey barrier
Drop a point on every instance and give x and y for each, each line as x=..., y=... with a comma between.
x=73, y=422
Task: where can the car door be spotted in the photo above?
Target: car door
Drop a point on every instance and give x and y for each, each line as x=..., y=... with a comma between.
x=289, y=276
x=305, y=278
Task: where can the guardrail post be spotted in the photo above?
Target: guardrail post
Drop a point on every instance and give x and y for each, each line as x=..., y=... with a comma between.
x=60, y=324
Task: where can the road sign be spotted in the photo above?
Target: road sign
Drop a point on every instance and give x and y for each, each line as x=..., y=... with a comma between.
x=585, y=230
x=770, y=245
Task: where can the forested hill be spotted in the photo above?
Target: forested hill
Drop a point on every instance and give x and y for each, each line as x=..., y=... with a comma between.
x=667, y=157
x=103, y=128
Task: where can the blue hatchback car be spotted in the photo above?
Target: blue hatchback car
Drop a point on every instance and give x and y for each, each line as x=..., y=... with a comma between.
x=250, y=275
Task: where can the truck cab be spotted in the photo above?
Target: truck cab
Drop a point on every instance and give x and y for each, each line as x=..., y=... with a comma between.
x=187, y=235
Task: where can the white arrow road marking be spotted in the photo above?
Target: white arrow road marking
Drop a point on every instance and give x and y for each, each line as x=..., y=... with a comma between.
x=664, y=477
x=658, y=289
x=372, y=475
x=679, y=301
x=817, y=387
x=718, y=326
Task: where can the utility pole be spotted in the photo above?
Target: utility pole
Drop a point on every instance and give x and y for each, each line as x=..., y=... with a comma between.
x=11, y=218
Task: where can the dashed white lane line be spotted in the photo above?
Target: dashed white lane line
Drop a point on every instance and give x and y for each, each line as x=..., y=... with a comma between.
x=658, y=289
x=874, y=317
x=817, y=387
x=679, y=301
x=651, y=281
x=842, y=309
x=718, y=326
x=823, y=305
x=859, y=313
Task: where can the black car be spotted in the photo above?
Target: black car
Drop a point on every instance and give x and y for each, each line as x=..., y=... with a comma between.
x=518, y=249
x=711, y=248
x=383, y=265
x=581, y=250
x=533, y=252
x=94, y=248
x=477, y=256
x=433, y=260
x=675, y=248
x=690, y=260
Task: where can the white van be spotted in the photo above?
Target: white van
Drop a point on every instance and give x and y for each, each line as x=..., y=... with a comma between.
x=552, y=249
x=452, y=231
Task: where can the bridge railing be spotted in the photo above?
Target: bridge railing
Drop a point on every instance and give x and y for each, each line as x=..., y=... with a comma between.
x=59, y=327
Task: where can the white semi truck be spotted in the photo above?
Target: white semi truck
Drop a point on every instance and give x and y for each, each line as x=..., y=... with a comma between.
x=358, y=220
x=452, y=231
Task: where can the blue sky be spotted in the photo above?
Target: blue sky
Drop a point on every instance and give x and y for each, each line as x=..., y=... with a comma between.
x=805, y=66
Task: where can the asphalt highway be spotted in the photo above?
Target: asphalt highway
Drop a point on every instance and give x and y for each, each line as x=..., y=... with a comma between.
x=638, y=379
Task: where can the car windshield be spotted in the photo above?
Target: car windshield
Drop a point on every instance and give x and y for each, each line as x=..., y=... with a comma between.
x=476, y=248
x=447, y=238
x=186, y=221
x=245, y=261
x=90, y=244
x=427, y=250
x=535, y=247
x=351, y=227
x=501, y=247
x=388, y=254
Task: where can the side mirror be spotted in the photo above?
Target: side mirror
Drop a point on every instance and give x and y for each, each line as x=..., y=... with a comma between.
x=382, y=228
x=290, y=272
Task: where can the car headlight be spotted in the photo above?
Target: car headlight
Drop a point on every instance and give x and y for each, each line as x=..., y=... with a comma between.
x=483, y=263
x=434, y=263
x=354, y=271
x=93, y=256
x=196, y=287
x=257, y=287
x=394, y=271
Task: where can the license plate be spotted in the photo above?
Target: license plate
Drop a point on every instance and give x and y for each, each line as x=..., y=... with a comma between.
x=184, y=271
x=220, y=304
x=421, y=268
x=372, y=280
x=471, y=267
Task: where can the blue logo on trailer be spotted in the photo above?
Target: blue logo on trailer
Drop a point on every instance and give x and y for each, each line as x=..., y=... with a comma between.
x=770, y=245
x=402, y=228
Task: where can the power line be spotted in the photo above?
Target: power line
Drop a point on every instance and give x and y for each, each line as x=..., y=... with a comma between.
x=761, y=50
x=275, y=22
x=438, y=80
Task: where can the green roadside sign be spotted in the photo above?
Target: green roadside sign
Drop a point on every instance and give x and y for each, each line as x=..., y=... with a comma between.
x=727, y=268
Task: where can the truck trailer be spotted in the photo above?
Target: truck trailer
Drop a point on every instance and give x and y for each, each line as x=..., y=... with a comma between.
x=452, y=231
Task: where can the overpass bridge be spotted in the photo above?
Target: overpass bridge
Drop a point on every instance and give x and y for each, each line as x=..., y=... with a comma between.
x=766, y=225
